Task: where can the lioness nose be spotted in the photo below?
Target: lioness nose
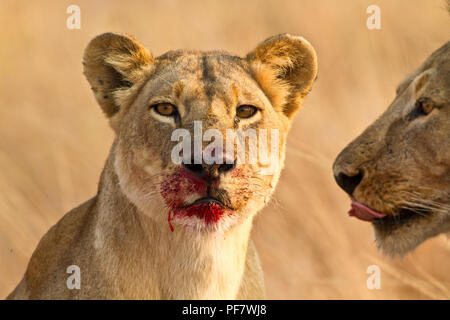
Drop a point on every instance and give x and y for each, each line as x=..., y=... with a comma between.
x=206, y=171
x=348, y=183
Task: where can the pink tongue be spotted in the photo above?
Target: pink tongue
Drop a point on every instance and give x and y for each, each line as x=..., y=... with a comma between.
x=364, y=213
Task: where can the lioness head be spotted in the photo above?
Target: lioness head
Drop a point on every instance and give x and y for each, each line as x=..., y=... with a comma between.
x=152, y=102
x=397, y=171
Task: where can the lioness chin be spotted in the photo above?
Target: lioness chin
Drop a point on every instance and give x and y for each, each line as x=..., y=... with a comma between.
x=159, y=229
x=397, y=172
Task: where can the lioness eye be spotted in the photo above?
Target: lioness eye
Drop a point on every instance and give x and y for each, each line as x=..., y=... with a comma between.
x=425, y=105
x=246, y=111
x=165, y=109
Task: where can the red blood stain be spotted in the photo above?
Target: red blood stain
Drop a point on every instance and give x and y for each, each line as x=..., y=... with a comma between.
x=210, y=213
x=176, y=187
x=236, y=173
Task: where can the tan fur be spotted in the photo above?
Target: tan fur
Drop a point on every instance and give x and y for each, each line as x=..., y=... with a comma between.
x=121, y=239
x=405, y=158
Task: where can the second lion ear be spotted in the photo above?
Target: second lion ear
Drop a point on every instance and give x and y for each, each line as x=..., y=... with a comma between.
x=285, y=67
x=113, y=64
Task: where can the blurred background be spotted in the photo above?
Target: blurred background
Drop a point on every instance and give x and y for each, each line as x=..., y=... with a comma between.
x=54, y=139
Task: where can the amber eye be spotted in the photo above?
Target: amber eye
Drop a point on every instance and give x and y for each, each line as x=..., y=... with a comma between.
x=425, y=105
x=246, y=111
x=165, y=109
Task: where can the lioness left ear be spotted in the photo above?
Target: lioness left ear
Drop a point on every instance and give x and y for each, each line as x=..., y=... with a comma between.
x=285, y=67
x=113, y=65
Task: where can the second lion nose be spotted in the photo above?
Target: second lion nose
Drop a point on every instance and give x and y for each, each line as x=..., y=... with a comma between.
x=348, y=182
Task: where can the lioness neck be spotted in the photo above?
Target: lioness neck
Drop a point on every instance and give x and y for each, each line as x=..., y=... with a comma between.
x=148, y=260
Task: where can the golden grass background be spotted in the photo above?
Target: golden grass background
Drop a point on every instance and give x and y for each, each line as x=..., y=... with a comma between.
x=54, y=139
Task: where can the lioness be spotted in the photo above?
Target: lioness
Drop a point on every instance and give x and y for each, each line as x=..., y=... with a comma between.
x=163, y=230
x=397, y=172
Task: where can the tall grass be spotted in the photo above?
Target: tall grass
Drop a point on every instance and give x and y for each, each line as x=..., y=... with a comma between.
x=54, y=139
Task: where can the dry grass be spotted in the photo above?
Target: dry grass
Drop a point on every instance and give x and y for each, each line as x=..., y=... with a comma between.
x=54, y=139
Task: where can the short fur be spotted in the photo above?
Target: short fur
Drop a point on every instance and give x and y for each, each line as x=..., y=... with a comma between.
x=121, y=239
x=404, y=159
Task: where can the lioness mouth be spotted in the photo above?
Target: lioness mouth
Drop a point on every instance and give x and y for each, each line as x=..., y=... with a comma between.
x=208, y=209
x=206, y=200
x=365, y=213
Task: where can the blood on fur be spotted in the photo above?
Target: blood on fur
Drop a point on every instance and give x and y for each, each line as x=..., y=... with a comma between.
x=182, y=183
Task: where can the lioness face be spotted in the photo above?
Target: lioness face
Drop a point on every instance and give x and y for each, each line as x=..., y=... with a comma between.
x=210, y=89
x=150, y=101
x=397, y=172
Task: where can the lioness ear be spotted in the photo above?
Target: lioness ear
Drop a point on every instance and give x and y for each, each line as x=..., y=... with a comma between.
x=113, y=64
x=285, y=66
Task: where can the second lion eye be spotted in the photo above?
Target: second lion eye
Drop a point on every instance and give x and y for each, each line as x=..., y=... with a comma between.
x=165, y=109
x=424, y=105
x=246, y=111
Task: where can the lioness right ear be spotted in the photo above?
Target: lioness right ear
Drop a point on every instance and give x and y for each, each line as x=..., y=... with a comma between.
x=285, y=66
x=114, y=63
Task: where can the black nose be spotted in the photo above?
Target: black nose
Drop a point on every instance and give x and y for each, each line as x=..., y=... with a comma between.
x=204, y=170
x=348, y=183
